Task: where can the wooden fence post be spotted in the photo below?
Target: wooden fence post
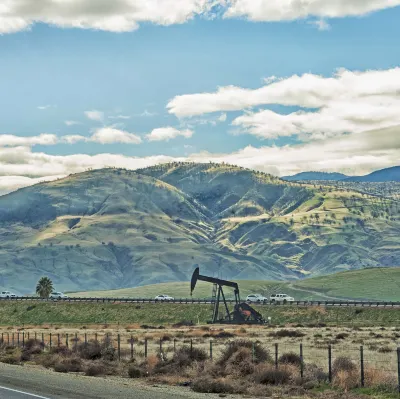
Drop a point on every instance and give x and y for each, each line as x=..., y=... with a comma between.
x=301, y=362
x=119, y=347
x=131, y=347
x=398, y=368
x=330, y=362
x=276, y=355
x=362, y=364
x=145, y=348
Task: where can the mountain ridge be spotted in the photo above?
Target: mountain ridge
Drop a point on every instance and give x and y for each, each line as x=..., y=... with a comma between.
x=115, y=228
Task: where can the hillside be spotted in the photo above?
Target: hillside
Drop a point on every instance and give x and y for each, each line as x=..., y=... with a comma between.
x=315, y=176
x=388, y=174
x=381, y=284
x=115, y=228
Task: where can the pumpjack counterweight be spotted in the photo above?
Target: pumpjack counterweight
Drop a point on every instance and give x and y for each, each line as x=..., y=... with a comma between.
x=242, y=313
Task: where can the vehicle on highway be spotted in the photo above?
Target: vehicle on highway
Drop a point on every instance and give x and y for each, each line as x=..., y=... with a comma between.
x=7, y=294
x=164, y=298
x=281, y=298
x=58, y=295
x=256, y=298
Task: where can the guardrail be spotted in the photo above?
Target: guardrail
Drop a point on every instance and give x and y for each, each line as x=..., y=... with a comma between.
x=205, y=301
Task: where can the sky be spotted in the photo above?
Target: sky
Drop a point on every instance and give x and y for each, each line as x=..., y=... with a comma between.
x=281, y=86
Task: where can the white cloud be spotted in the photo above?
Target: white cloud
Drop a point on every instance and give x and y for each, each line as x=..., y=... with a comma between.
x=126, y=15
x=349, y=101
x=72, y=139
x=42, y=139
x=147, y=114
x=108, y=135
x=42, y=107
x=321, y=24
x=119, y=117
x=168, y=133
x=72, y=123
x=12, y=183
x=222, y=118
x=356, y=153
x=95, y=115
x=113, y=16
x=287, y=10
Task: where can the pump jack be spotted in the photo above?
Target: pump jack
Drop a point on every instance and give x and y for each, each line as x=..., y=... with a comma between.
x=243, y=313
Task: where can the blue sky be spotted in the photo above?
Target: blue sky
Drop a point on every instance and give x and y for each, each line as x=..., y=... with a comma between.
x=51, y=74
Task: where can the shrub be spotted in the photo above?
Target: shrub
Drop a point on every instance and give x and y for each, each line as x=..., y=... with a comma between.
x=271, y=376
x=95, y=369
x=287, y=333
x=90, y=350
x=209, y=385
x=385, y=349
x=61, y=350
x=341, y=336
x=69, y=365
x=224, y=334
x=135, y=371
x=343, y=364
x=290, y=358
x=260, y=353
x=240, y=363
x=184, y=323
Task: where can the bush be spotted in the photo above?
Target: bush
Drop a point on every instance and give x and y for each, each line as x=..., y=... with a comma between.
x=240, y=363
x=260, y=353
x=342, y=336
x=95, y=369
x=90, y=350
x=290, y=358
x=69, y=365
x=60, y=350
x=272, y=376
x=135, y=371
x=287, y=333
x=209, y=385
x=343, y=364
x=224, y=334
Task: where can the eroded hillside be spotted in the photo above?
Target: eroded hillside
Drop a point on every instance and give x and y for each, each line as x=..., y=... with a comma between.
x=115, y=228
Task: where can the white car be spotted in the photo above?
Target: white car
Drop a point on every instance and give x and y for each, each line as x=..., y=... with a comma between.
x=281, y=298
x=7, y=294
x=164, y=298
x=256, y=298
x=58, y=295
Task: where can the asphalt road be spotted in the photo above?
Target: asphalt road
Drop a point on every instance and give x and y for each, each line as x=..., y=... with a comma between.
x=23, y=382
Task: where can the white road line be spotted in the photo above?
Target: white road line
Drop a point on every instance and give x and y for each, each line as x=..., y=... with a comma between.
x=23, y=393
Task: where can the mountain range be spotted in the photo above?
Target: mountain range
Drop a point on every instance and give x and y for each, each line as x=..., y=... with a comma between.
x=383, y=175
x=115, y=228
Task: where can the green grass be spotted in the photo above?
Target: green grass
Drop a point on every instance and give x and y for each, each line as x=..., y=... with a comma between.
x=381, y=284
x=72, y=313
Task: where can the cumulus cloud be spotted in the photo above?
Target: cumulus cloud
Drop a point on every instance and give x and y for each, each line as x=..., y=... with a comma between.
x=95, y=115
x=108, y=135
x=349, y=101
x=127, y=15
x=356, y=153
x=42, y=139
x=113, y=16
x=168, y=133
x=72, y=139
x=287, y=10
x=12, y=183
x=42, y=107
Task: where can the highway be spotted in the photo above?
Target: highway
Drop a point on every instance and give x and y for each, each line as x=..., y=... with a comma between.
x=330, y=303
x=24, y=382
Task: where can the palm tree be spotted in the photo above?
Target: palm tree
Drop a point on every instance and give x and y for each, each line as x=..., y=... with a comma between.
x=44, y=287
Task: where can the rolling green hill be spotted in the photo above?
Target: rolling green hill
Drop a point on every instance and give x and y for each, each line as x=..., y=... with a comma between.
x=381, y=284
x=115, y=228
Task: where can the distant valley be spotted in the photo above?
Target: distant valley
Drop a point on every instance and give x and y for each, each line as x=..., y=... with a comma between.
x=117, y=228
